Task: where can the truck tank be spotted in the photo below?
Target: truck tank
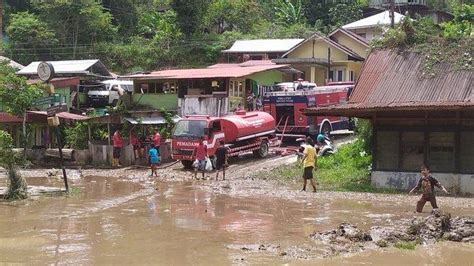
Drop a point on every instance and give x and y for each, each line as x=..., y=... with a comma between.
x=246, y=125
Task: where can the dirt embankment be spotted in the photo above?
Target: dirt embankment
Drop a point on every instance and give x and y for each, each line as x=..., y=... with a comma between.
x=438, y=226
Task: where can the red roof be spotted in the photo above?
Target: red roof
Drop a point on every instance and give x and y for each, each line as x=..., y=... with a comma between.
x=215, y=71
x=63, y=115
x=8, y=118
x=394, y=81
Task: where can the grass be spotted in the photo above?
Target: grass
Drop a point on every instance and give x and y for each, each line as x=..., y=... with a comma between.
x=406, y=245
x=346, y=170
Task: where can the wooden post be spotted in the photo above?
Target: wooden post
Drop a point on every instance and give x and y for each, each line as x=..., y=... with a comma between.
x=108, y=134
x=329, y=63
x=392, y=14
x=89, y=135
x=62, y=159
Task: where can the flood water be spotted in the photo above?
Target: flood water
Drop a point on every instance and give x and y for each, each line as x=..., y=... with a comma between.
x=109, y=220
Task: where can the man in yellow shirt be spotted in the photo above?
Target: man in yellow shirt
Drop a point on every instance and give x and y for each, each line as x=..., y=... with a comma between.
x=309, y=161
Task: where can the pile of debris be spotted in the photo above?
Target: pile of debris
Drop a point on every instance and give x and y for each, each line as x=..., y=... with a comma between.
x=347, y=238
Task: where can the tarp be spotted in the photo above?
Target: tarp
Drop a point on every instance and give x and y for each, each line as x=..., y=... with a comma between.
x=150, y=120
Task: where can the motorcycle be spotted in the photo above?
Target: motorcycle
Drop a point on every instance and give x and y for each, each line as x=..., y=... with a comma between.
x=325, y=147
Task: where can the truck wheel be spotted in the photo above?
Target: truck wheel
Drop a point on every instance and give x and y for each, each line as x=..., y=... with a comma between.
x=263, y=151
x=326, y=129
x=187, y=164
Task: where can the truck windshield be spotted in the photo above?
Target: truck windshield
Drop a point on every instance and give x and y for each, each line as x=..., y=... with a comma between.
x=190, y=128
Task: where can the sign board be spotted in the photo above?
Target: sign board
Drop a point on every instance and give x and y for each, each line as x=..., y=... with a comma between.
x=56, y=109
x=47, y=100
x=44, y=100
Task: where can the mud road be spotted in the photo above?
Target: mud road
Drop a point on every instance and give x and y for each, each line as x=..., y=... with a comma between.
x=123, y=216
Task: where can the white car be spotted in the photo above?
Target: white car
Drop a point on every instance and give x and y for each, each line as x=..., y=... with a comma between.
x=109, y=92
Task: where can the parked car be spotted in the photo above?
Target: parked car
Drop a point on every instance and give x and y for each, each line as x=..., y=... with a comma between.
x=108, y=93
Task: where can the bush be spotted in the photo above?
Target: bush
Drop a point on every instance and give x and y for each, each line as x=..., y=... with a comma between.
x=17, y=187
x=77, y=136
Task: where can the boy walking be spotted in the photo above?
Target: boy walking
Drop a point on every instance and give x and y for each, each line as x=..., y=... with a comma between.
x=426, y=184
x=221, y=159
x=154, y=159
x=309, y=161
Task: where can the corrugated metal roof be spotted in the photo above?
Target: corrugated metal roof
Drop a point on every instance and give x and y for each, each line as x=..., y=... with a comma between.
x=234, y=71
x=263, y=46
x=382, y=18
x=11, y=62
x=63, y=115
x=70, y=68
x=393, y=81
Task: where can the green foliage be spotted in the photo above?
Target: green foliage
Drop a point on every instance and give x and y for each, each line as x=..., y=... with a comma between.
x=77, y=136
x=232, y=15
x=346, y=170
x=190, y=14
x=30, y=36
x=406, y=245
x=17, y=187
x=167, y=130
x=364, y=134
x=289, y=12
x=452, y=43
x=16, y=95
x=461, y=25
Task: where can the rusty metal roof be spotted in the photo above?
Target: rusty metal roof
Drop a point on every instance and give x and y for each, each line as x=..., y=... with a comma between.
x=219, y=71
x=393, y=81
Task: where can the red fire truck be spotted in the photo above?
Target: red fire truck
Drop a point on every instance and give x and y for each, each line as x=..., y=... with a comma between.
x=286, y=106
x=243, y=132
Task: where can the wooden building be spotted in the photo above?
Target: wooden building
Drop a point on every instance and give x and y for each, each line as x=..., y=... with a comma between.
x=415, y=119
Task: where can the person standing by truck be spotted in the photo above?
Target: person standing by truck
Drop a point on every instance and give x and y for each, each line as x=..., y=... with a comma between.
x=221, y=160
x=156, y=139
x=309, y=161
x=135, y=142
x=117, y=144
x=201, y=153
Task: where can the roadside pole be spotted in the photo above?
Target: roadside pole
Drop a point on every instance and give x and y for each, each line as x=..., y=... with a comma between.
x=46, y=72
x=392, y=13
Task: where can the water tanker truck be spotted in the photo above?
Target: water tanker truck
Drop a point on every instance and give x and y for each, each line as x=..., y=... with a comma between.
x=242, y=132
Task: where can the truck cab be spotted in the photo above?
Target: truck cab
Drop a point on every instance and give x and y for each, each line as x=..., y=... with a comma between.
x=108, y=92
x=188, y=133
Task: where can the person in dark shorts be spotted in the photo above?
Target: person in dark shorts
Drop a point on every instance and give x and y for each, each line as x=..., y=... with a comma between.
x=426, y=184
x=118, y=144
x=221, y=160
x=309, y=161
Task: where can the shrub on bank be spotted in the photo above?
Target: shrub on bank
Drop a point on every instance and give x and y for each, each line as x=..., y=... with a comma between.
x=346, y=170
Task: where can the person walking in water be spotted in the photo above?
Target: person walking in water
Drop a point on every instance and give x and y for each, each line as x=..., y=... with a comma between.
x=200, y=152
x=154, y=159
x=221, y=160
x=426, y=184
x=309, y=162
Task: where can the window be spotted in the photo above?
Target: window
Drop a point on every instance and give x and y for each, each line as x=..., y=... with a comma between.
x=337, y=74
x=466, y=153
x=412, y=150
x=352, y=75
x=236, y=88
x=441, y=151
x=388, y=150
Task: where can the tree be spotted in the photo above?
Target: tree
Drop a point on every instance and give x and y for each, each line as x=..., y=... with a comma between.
x=190, y=15
x=30, y=38
x=289, y=12
x=16, y=95
x=17, y=187
x=233, y=15
x=77, y=23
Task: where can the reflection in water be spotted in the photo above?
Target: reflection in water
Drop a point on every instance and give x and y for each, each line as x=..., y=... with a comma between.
x=118, y=222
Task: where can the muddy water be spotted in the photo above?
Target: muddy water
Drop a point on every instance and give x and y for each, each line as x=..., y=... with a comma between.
x=109, y=220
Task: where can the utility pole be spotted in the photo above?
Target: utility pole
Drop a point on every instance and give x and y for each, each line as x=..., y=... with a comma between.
x=392, y=13
x=1, y=21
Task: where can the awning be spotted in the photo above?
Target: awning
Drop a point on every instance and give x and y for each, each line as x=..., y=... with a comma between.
x=150, y=120
x=62, y=115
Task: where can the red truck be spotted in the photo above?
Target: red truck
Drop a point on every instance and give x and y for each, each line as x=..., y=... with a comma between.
x=242, y=132
x=286, y=107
